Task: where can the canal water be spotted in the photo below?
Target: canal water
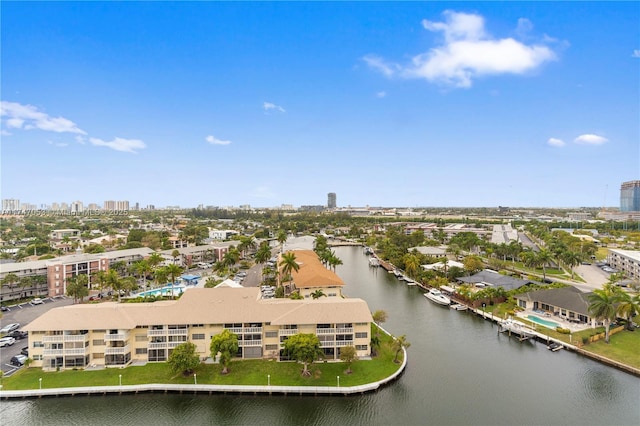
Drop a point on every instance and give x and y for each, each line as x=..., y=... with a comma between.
x=461, y=371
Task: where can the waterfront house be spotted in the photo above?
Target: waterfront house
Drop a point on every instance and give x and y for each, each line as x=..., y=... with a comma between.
x=489, y=278
x=568, y=303
x=312, y=275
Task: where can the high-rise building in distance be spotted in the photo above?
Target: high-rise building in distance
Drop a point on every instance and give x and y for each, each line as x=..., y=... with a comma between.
x=331, y=200
x=630, y=196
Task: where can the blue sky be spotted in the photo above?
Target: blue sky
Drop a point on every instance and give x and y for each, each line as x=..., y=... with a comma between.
x=386, y=104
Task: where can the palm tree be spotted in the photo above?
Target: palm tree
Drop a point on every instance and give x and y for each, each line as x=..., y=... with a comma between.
x=399, y=343
x=10, y=279
x=571, y=259
x=154, y=260
x=411, y=264
x=143, y=268
x=282, y=238
x=544, y=257
x=628, y=306
x=246, y=243
x=288, y=265
x=318, y=294
x=264, y=252
x=160, y=276
x=602, y=306
x=334, y=260
x=173, y=271
x=175, y=254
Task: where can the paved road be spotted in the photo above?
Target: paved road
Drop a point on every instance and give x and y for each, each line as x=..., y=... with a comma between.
x=23, y=315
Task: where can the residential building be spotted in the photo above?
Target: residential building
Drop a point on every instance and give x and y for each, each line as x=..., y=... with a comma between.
x=626, y=261
x=115, y=206
x=331, y=200
x=311, y=276
x=489, y=278
x=630, y=196
x=567, y=303
x=31, y=280
x=10, y=204
x=115, y=334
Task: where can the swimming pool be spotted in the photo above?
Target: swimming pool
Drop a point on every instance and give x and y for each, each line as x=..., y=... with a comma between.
x=544, y=322
x=164, y=291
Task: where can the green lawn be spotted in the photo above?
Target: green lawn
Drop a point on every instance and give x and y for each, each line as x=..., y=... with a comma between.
x=623, y=347
x=241, y=372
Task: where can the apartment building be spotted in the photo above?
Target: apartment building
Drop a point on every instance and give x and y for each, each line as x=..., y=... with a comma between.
x=627, y=261
x=311, y=276
x=115, y=334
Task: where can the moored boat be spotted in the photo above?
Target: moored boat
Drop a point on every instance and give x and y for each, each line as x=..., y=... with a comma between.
x=459, y=307
x=516, y=327
x=436, y=296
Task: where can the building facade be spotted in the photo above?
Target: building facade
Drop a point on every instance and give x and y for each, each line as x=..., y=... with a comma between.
x=630, y=196
x=115, y=334
x=627, y=261
x=331, y=200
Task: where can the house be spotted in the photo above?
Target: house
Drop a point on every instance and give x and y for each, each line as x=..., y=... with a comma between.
x=567, y=303
x=489, y=278
x=114, y=334
x=311, y=276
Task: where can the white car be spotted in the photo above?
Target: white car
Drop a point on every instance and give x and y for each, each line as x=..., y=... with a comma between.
x=7, y=341
x=9, y=328
x=37, y=301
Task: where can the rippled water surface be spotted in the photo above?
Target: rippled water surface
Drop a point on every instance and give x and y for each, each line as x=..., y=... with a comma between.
x=460, y=372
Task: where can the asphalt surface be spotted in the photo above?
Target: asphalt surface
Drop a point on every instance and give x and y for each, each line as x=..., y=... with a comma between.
x=23, y=314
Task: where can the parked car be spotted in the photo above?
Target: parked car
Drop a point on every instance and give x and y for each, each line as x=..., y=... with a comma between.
x=25, y=351
x=18, y=360
x=4, y=309
x=7, y=341
x=9, y=328
x=37, y=301
x=18, y=334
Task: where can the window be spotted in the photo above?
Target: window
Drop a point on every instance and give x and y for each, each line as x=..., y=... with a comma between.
x=98, y=342
x=38, y=345
x=271, y=334
x=197, y=336
x=141, y=351
x=141, y=338
x=272, y=347
x=362, y=335
x=361, y=347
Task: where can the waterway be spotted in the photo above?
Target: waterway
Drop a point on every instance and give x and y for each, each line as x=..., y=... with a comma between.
x=460, y=372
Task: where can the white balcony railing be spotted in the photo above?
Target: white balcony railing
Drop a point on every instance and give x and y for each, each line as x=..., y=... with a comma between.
x=325, y=330
x=253, y=330
x=172, y=345
x=329, y=344
x=116, y=337
x=178, y=331
x=246, y=343
x=344, y=330
x=158, y=345
x=64, y=352
x=160, y=332
x=235, y=330
x=117, y=351
x=344, y=343
x=288, y=331
x=59, y=338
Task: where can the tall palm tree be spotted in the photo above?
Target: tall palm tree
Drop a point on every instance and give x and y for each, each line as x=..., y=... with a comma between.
x=143, y=268
x=282, y=238
x=264, y=252
x=411, y=264
x=288, y=264
x=571, y=259
x=628, y=306
x=333, y=260
x=398, y=344
x=173, y=271
x=602, y=306
x=154, y=260
x=544, y=257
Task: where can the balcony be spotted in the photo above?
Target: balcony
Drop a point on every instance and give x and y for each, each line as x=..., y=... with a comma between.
x=117, y=351
x=344, y=330
x=325, y=331
x=344, y=343
x=178, y=331
x=158, y=345
x=116, y=337
x=161, y=332
x=59, y=338
x=172, y=345
x=253, y=330
x=63, y=352
x=235, y=330
x=327, y=344
x=288, y=331
x=246, y=343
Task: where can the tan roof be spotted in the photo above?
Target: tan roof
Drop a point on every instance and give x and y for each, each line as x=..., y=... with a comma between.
x=312, y=273
x=203, y=306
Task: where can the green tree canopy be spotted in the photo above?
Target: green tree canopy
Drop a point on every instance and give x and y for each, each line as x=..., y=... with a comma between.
x=184, y=359
x=304, y=348
x=348, y=354
x=226, y=344
x=77, y=287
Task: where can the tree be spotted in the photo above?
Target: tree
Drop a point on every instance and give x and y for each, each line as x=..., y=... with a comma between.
x=333, y=260
x=348, y=354
x=304, y=348
x=375, y=344
x=173, y=271
x=264, y=252
x=288, y=265
x=225, y=344
x=282, y=238
x=472, y=264
x=77, y=287
x=154, y=260
x=411, y=264
x=602, y=306
x=399, y=343
x=543, y=258
x=318, y=294
x=160, y=276
x=184, y=359
x=143, y=268
x=379, y=317
x=175, y=254
x=10, y=279
x=628, y=306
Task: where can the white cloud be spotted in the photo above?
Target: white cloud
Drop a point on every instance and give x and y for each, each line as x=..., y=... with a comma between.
x=468, y=52
x=636, y=53
x=81, y=139
x=524, y=27
x=381, y=94
x=268, y=106
x=58, y=144
x=29, y=117
x=213, y=141
x=556, y=142
x=120, y=144
x=590, y=139
x=4, y=132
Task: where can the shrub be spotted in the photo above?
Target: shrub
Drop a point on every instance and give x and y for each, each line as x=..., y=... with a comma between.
x=563, y=330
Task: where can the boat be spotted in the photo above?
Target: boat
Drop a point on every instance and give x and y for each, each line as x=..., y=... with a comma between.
x=398, y=274
x=554, y=346
x=368, y=250
x=517, y=327
x=374, y=262
x=459, y=307
x=436, y=296
x=408, y=280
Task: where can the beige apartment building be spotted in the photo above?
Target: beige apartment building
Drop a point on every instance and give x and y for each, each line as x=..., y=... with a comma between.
x=116, y=334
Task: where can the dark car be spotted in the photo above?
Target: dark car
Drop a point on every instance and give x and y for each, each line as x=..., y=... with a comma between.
x=18, y=360
x=25, y=351
x=19, y=334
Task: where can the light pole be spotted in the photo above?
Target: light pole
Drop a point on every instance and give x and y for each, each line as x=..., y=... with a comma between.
x=338, y=377
x=120, y=376
x=268, y=379
x=40, y=380
x=195, y=379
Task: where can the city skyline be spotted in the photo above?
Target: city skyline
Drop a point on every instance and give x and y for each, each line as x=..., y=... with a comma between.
x=472, y=104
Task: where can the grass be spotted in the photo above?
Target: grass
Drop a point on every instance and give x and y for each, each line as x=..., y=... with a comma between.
x=241, y=372
x=622, y=347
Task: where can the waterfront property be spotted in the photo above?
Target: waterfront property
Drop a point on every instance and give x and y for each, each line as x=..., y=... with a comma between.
x=566, y=303
x=116, y=334
x=312, y=276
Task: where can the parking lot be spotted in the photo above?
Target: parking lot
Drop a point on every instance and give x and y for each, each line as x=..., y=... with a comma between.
x=24, y=314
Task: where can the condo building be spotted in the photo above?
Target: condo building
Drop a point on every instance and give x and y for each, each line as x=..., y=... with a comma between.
x=630, y=196
x=116, y=334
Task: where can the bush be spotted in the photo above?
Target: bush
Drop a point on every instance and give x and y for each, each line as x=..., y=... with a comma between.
x=563, y=330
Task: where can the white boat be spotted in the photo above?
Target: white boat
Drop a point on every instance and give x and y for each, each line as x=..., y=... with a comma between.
x=374, y=261
x=408, y=280
x=516, y=327
x=459, y=307
x=436, y=296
